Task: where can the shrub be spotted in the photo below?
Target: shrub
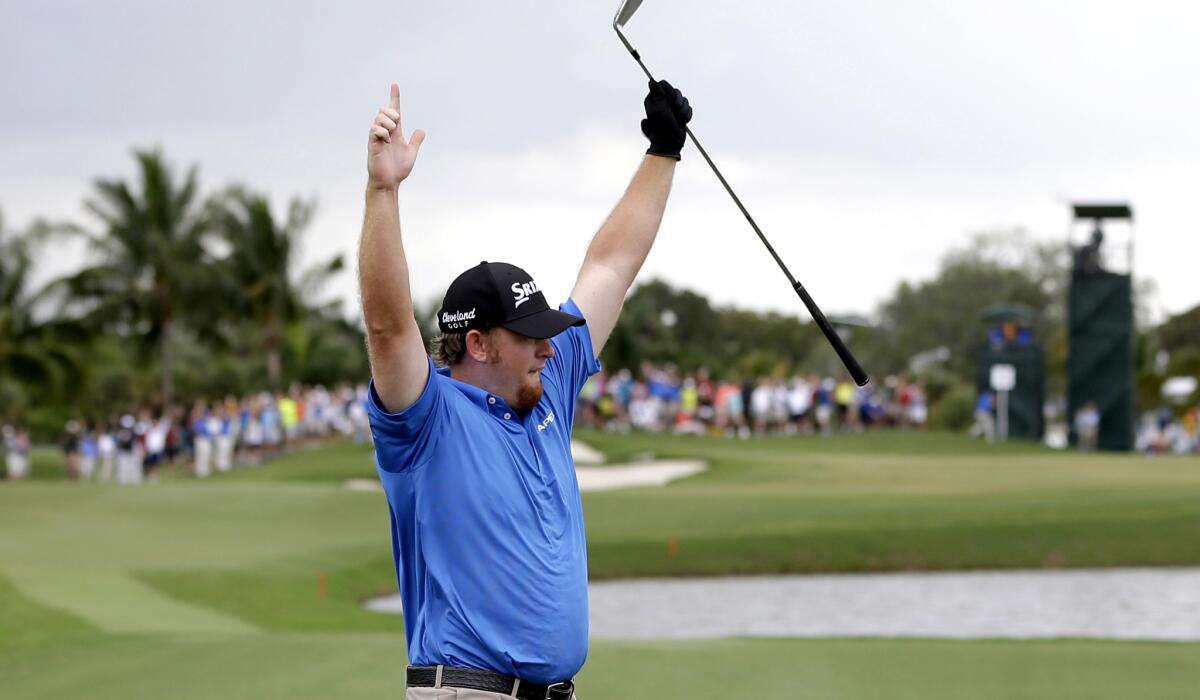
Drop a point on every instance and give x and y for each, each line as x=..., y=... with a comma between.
x=956, y=409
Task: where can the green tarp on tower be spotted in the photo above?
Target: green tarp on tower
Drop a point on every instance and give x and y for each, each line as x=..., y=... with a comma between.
x=1100, y=357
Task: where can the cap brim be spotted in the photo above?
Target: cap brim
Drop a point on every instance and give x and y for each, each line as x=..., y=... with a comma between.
x=543, y=324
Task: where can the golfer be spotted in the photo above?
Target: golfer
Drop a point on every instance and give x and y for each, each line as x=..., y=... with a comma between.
x=475, y=455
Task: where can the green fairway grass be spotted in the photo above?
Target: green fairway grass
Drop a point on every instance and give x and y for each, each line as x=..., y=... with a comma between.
x=356, y=665
x=887, y=502
x=249, y=585
x=46, y=463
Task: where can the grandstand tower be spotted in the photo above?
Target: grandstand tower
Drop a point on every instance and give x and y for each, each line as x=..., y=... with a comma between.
x=1100, y=361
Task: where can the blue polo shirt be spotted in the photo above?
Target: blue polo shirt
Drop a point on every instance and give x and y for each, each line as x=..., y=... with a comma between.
x=487, y=523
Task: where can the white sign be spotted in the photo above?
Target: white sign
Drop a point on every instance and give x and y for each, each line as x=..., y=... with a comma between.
x=1004, y=377
x=1179, y=387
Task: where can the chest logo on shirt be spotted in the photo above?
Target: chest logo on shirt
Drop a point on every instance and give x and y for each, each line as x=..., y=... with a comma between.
x=522, y=292
x=546, y=423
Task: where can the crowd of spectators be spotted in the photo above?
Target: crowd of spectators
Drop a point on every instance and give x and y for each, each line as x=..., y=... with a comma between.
x=206, y=437
x=216, y=436
x=1161, y=432
x=659, y=399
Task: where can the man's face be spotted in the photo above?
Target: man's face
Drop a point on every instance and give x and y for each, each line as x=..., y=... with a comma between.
x=517, y=363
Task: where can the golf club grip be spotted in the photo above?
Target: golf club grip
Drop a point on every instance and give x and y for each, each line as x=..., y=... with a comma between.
x=856, y=371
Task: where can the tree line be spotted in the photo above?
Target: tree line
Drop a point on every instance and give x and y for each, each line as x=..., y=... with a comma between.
x=182, y=295
x=187, y=295
x=930, y=330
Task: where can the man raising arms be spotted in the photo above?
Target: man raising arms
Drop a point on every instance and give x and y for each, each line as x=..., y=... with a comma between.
x=475, y=455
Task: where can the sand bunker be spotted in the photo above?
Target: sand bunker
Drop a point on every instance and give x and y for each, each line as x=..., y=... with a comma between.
x=623, y=476
x=598, y=478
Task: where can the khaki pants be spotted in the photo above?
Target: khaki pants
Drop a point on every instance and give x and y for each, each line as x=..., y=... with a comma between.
x=455, y=694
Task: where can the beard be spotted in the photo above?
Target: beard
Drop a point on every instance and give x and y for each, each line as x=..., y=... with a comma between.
x=528, y=395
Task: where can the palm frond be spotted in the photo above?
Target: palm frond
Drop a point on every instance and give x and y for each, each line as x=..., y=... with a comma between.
x=314, y=279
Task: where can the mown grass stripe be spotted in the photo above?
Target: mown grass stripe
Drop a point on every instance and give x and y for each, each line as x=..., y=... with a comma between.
x=116, y=602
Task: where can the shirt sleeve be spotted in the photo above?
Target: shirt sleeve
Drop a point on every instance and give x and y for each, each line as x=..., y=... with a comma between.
x=404, y=440
x=573, y=360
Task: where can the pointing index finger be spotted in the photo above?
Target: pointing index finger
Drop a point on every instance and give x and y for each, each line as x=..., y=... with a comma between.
x=394, y=102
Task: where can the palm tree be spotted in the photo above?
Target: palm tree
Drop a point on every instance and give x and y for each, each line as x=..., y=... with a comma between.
x=33, y=355
x=262, y=254
x=151, y=264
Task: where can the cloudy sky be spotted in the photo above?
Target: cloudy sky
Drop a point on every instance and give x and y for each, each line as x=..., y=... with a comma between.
x=867, y=137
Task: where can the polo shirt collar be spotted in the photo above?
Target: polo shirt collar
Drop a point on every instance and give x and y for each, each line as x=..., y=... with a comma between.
x=489, y=402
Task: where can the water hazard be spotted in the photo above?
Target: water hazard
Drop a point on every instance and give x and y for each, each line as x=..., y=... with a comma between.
x=1148, y=604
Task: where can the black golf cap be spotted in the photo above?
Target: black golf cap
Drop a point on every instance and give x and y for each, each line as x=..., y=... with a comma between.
x=498, y=294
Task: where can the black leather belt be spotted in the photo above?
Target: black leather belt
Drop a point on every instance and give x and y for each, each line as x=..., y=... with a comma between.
x=475, y=679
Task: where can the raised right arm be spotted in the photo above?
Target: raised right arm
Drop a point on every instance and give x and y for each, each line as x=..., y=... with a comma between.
x=399, y=365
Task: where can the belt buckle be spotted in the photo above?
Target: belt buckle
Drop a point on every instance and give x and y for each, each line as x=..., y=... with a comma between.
x=563, y=690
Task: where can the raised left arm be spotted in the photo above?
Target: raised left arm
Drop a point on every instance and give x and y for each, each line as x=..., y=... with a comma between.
x=619, y=248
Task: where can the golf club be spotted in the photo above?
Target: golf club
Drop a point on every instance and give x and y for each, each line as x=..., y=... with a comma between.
x=624, y=13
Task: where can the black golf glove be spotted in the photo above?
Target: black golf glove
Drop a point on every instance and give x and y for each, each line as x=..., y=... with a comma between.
x=667, y=111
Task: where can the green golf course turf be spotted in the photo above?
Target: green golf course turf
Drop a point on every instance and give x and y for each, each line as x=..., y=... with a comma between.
x=77, y=662
x=248, y=585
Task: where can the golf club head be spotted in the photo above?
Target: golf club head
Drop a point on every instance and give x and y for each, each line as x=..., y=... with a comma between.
x=625, y=11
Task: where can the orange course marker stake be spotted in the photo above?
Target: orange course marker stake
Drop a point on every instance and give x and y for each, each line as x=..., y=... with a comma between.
x=672, y=548
x=322, y=585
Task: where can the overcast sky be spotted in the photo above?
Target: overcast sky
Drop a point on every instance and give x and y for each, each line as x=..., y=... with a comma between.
x=866, y=137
